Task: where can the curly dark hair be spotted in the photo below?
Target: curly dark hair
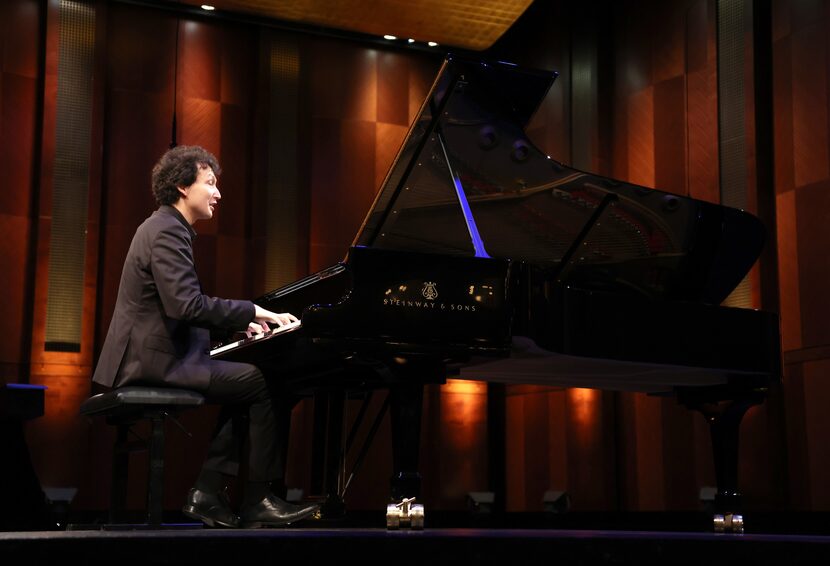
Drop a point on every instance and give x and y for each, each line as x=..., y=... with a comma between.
x=179, y=167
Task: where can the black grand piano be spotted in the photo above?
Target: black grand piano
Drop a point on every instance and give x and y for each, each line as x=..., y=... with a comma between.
x=484, y=258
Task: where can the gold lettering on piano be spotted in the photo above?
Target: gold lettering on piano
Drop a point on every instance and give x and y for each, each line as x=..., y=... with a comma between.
x=428, y=305
x=397, y=296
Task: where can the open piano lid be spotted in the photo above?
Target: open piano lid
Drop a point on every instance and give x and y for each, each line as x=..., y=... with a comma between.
x=467, y=181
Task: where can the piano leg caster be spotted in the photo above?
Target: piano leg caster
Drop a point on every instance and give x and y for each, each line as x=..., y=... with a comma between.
x=729, y=523
x=405, y=514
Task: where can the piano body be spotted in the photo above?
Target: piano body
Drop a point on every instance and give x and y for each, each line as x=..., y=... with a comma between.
x=484, y=258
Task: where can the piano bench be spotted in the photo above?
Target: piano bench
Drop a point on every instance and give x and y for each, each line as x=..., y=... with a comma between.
x=124, y=408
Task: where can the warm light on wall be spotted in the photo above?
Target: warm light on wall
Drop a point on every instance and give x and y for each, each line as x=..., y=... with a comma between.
x=583, y=405
x=464, y=401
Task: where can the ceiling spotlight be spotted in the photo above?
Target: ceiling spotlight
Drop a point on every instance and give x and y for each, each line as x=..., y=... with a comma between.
x=208, y=7
x=432, y=44
x=410, y=40
x=389, y=37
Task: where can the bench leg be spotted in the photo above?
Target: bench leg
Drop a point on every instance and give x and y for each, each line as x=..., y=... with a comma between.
x=120, y=468
x=155, y=481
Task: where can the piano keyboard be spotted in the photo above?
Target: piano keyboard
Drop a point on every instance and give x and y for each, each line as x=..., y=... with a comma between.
x=255, y=338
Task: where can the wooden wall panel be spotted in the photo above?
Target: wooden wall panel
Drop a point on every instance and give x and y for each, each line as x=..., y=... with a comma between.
x=811, y=205
x=591, y=448
x=462, y=442
x=783, y=119
x=809, y=109
x=138, y=63
x=200, y=60
x=343, y=81
x=19, y=28
x=233, y=216
x=640, y=142
x=360, y=108
x=668, y=22
x=817, y=423
x=20, y=39
x=537, y=447
x=537, y=438
x=802, y=179
x=798, y=440
x=516, y=452
x=392, y=90
x=670, y=135
x=326, y=239
x=15, y=238
x=342, y=187
x=18, y=121
x=200, y=123
x=647, y=413
x=787, y=224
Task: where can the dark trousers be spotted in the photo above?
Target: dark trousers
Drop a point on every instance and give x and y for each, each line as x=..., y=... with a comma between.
x=246, y=399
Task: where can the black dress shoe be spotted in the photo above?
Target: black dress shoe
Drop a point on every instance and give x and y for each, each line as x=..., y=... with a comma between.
x=213, y=509
x=274, y=512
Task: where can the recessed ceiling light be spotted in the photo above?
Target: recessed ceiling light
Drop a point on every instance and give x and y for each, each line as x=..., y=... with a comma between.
x=432, y=44
x=208, y=7
x=389, y=37
x=410, y=40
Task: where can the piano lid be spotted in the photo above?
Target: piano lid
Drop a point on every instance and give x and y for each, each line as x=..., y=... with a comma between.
x=467, y=181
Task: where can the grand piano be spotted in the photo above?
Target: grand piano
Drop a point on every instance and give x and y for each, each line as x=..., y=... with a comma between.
x=485, y=259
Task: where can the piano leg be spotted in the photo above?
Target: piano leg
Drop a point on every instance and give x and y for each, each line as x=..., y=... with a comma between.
x=327, y=452
x=406, y=401
x=724, y=417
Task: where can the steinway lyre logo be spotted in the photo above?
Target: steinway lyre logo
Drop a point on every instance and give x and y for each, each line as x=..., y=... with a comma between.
x=429, y=291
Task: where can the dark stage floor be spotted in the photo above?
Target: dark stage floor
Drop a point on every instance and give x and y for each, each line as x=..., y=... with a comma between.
x=514, y=539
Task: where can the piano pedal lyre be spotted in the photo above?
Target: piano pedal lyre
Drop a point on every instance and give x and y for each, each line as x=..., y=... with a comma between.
x=729, y=523
x=405, y=514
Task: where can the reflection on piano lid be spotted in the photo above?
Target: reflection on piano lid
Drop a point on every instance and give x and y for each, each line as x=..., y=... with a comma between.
x=256, y=338
x=468, y=181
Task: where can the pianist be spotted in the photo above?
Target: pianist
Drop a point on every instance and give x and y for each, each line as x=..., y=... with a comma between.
x=160, y=335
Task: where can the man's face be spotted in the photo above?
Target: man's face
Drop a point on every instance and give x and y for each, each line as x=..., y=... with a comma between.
x=200, y=198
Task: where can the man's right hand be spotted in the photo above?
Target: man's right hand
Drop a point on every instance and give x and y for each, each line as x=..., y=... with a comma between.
x=264, y=317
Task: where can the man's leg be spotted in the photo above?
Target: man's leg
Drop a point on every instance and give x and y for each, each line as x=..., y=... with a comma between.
x=239, y=384
x=240, y=389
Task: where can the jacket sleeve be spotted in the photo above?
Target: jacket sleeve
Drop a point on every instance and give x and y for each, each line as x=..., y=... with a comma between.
x=174, y=273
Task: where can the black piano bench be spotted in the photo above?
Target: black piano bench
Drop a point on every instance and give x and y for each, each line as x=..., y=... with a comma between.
x=124, y=408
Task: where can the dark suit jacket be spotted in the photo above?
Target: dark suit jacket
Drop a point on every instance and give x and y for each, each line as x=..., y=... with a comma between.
x=160, y=329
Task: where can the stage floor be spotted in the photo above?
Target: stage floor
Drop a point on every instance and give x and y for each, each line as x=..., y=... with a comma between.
x=529, y=540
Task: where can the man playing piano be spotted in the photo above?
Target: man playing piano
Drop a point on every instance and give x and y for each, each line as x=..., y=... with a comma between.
x=160, y=335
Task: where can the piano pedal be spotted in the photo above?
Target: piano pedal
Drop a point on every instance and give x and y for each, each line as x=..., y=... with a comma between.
x=729, y=523
x=405, y=514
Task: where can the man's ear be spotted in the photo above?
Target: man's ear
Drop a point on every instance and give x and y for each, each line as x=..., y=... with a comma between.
x=182, y=191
